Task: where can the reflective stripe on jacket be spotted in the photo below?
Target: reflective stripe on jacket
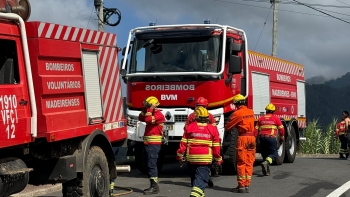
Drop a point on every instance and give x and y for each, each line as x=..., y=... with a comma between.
x=269, y=125
x=154, y=120
x=201, y=143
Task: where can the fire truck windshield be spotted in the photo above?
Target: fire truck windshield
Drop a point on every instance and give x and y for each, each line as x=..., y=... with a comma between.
x=180, y=54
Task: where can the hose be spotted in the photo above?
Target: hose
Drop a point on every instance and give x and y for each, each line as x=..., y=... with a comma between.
x=129, y=191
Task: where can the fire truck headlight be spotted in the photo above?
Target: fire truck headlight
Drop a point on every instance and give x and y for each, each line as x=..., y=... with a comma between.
x=217, y=119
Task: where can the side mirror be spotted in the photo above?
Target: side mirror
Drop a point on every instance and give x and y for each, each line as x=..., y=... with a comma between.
x=235, y=64
x=234, y=47
x=124, y=50
x=126, y=64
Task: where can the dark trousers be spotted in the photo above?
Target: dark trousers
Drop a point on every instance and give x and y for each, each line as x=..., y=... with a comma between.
x=149, y=158
x=199, y=178
x=343, y=144
x=268, y=148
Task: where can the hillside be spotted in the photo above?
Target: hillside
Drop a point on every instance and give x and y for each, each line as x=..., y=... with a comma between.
x=327, y=100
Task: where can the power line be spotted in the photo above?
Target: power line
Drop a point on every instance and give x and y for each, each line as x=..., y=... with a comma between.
x=343, y=2
x=293, y=3
x=223, y=1
x=322, y=12
x=263, y=28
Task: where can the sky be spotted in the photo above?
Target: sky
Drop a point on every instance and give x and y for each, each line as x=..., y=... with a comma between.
x=305, y=36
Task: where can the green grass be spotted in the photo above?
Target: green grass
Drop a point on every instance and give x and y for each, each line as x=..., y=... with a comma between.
x=320, y=141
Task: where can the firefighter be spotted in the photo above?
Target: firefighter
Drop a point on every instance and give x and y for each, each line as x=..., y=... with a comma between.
x=154, y=120
x=340, y=133
x=201, y=101
x=243, y=120
x=267, y=128
x=201, y=142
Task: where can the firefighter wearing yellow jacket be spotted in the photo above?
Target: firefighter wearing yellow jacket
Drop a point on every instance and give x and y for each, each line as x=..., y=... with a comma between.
x=154, y=120
x=201, y=142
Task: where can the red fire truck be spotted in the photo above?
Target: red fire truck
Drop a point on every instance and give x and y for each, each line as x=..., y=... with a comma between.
x=179, y=63
x=60, y=105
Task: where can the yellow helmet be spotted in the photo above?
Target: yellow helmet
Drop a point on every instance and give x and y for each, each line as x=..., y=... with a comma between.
x=201, y=112
x=152, y=100
x=270, y=107
x=239, y=98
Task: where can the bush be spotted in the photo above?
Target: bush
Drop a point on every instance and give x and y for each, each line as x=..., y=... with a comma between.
x=320, y=141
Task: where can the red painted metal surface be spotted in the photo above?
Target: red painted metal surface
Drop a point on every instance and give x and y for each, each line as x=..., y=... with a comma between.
x=56, y=62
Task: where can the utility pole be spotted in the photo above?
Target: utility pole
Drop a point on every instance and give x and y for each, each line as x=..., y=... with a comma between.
x=274, y=29
x=99, y=7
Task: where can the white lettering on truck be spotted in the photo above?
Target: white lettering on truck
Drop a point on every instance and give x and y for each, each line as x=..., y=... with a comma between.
x=172, y=97
x=170, y=87
x=285, y=78
x=284, y=93
x=8, y=105
x=58, y=103
x=59, y=66
x=57, y=85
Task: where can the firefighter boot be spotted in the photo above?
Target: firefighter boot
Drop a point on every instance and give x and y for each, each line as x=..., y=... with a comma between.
x=153, y=189
x=341, y=156
x=347, y=155
x=210, y=182
x=268, y=169
x=264, y=167
x=239, y=190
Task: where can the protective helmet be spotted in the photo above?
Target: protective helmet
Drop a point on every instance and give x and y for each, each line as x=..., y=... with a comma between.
x=239, y=98
x=270, y=107
x=151, y=101
x=201, y=112
x=201, y=101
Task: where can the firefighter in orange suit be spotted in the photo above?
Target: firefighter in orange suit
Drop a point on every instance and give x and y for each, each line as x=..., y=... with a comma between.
x=267, y=128
x=340, y=133
x=154, y=120
x=201, y=143
x=243, y=120
x=200, y=102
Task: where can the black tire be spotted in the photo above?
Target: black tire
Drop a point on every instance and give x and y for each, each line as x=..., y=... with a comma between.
x=138, y=159
x=291, y=146
x=229, y=166
x=94, y=181
x=280, y=153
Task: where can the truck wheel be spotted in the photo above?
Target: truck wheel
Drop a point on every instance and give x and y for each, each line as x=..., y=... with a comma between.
x=229, y=166
x=95, y=179
x=291, y=145
x=138, y=159
x=281, y=153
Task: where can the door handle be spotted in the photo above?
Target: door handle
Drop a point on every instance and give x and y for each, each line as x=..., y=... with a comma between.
x=23, y=102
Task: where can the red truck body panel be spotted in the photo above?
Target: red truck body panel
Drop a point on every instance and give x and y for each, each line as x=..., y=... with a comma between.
x=56, y=61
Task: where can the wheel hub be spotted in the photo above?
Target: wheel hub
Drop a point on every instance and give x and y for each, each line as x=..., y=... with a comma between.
x=97, y=185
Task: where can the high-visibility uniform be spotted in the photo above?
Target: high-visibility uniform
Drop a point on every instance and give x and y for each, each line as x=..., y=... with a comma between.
x=340, y=132
x=192, y=118
x=243, y=120
x=201, y=143
x=154, y=120
x=268, y=127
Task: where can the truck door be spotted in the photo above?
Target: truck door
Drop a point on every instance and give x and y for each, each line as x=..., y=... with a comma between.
x=15, y=112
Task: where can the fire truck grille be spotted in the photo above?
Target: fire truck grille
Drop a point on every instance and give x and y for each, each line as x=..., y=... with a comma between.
x=132, y=122
x=180, y=118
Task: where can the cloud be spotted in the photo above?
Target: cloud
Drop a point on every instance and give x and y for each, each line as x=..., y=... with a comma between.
x=304, y=35
x=68, y=12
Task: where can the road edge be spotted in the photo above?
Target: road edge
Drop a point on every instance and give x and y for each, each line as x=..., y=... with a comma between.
x=40, y=192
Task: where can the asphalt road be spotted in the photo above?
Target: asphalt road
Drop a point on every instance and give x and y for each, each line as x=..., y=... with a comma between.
x=305, y=177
